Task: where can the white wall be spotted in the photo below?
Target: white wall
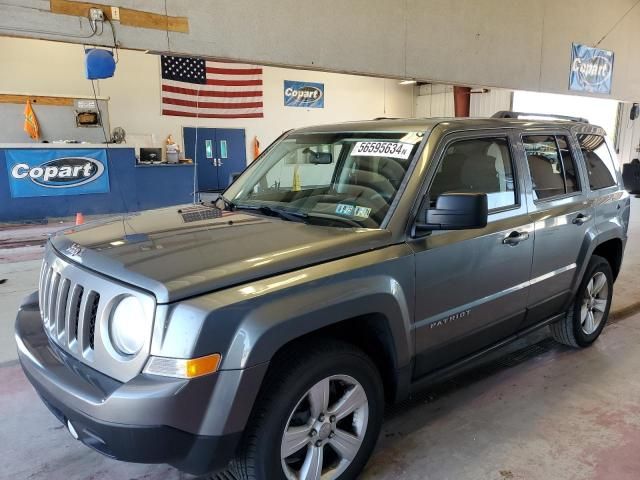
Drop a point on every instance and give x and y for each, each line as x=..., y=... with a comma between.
x=486, y=103
x=628, y=138
x=48, y=68
x=599, y=111
x=516, y=44
x=434, y=100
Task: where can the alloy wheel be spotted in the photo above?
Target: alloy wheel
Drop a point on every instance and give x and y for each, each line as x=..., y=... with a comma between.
x=594, y=303
x=325, y=430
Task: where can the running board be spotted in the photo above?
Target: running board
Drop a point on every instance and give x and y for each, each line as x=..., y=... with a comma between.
x=474, y=359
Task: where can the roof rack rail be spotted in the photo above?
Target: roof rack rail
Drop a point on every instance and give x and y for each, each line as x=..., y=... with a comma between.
x=509, y=114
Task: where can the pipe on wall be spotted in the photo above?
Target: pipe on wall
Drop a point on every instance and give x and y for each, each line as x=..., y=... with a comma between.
x=461, y=101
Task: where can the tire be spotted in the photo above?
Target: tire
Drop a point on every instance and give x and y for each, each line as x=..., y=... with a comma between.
x=284, y=403
x=576, y=330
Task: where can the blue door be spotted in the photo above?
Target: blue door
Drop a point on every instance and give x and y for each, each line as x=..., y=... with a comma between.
x=232, y=156
x=199, y=146
x=217, y=152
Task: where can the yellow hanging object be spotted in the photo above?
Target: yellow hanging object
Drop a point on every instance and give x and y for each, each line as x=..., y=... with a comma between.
x=31, y=122
x=296, y=187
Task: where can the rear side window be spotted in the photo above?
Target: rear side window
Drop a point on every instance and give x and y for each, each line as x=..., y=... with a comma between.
x=552, y=167
x=599, y=162
x=569, y=164
x=480, y=165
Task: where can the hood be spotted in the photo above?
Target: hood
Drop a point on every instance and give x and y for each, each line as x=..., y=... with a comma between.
x=180, y=252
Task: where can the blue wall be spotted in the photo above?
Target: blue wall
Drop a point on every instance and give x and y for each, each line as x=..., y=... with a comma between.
x=133, y=188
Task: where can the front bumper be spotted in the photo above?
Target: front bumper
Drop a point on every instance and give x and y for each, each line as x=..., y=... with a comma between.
x=194, y=425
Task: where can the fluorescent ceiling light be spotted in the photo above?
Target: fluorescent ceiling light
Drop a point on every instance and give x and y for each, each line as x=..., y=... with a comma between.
x=407, y=82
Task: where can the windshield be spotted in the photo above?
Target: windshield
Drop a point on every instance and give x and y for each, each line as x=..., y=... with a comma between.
x=341, y=179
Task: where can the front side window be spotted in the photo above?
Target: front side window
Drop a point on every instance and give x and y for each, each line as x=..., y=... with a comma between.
x=598, y=160
x=480, y=165
x=337, y=178
x=553, y=170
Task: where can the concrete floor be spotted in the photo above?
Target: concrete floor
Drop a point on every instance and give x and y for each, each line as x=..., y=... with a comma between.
x=560, y=414
x=542, y=412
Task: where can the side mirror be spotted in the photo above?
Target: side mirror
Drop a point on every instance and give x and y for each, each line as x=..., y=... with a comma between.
x=634, y=112
x=455, y=211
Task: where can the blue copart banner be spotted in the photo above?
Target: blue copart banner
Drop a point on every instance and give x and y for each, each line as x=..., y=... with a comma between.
x=38, y=172
x=591, y=69
x=303, y=94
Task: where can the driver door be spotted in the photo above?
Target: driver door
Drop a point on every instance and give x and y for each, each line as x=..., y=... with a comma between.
x=472, y=285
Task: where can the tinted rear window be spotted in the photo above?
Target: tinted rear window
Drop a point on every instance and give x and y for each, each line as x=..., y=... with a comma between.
x=597, y=157
x=545, y=165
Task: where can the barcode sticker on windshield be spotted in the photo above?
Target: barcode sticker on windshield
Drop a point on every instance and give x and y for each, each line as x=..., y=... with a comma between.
x=382, y=149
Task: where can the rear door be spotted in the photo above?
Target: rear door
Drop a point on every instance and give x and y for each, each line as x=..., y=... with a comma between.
x=563, y=217
x=604, y=179
x=472, y=285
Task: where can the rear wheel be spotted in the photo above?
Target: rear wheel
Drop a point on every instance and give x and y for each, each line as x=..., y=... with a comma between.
x=589, y=313
x=318, y=417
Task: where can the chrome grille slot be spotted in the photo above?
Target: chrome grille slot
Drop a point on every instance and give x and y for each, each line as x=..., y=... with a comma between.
x=75, y=316
x=44, y=308
x=61, y=308
x=76, y=304
x=52, y=303
x=43, y=270
x=93, y=314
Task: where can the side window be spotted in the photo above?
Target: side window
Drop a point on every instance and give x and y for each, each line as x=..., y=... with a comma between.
x=481, y=165
x=569, y=164
x=553, y=170
x=598, y=159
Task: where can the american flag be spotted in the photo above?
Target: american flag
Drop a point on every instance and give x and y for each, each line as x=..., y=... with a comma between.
x=195, y=87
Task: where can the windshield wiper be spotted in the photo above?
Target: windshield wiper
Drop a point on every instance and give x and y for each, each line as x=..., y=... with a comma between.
x=297, y=216
x=228, y=204
x=284, y=214
x=276, y=212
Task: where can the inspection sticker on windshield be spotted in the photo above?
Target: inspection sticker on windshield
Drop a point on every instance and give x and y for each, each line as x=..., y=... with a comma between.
x=352, y=210
x=382, y=149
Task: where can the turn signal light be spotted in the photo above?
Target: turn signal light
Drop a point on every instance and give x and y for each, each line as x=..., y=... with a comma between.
x=203, y=365
x=183, y=367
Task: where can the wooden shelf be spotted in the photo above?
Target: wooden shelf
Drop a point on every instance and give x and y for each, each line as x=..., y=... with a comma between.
x=37, y=100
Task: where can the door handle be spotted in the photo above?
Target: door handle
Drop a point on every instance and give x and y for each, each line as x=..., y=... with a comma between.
x=215, y=162
x=581, y=219
x=515, y=238
x=219, y=162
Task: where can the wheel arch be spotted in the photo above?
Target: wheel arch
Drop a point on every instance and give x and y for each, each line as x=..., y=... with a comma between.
x=608, y=245
x=373, y=313
x=611, y=250
x=372, y=334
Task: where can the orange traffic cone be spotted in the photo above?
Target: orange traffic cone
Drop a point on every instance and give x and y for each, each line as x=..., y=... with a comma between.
x=79, y=218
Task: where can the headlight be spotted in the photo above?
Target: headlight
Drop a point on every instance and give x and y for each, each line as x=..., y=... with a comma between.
x=129, y=326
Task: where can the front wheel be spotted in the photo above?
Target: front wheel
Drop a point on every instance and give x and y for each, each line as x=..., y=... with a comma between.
x=588, y=314
x=318, y=417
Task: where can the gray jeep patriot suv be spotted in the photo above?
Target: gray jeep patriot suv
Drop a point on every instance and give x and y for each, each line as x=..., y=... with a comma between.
x=347, y=267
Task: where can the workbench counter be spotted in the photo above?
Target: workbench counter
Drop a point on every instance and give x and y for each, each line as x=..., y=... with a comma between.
x=58, y=180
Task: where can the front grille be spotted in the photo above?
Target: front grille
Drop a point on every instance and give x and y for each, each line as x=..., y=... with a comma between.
x=76, y=303
x=68, y=309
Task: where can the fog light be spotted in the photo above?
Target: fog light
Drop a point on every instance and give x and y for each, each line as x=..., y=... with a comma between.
x=183, y=367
